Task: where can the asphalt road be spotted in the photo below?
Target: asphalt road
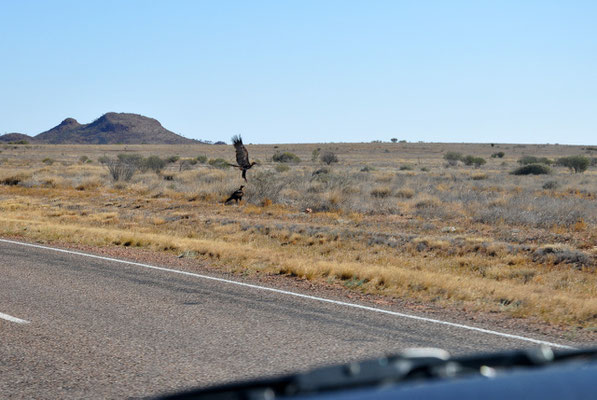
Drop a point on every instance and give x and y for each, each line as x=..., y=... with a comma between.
x=103, y=329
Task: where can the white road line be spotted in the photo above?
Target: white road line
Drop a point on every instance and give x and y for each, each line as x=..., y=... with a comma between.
x=13, y=319
x=304, y=296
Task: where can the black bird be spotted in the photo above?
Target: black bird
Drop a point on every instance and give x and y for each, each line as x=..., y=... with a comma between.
x=242, y=156
x=236, y=196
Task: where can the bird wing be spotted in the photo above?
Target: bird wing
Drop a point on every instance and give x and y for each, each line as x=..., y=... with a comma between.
x=242, y=155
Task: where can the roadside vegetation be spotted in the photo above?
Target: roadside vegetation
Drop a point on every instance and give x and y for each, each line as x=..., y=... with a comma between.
x=420, y=221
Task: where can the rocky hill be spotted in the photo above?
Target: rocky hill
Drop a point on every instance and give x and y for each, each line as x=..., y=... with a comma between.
x=16, y=138
x=112, y=128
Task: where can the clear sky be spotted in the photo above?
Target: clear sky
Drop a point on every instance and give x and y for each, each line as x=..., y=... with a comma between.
x=290, y=71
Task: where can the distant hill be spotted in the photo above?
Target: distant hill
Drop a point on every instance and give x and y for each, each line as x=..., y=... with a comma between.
x=112, y=128
x=16, y=137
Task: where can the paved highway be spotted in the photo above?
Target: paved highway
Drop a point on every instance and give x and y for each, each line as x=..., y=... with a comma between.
x=74, y=326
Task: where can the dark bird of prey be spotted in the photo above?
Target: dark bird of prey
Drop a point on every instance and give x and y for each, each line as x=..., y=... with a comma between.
x=237, y=195
x=242, y=156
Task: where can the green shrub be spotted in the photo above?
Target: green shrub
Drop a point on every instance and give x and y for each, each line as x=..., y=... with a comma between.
x=172, y=159
x=499, y=154
x=575, y=163
x=315, y=154
x=329, y=158
x=286, y=157
x=133, y=161
x=532, y=169
x=282, y=168
x=219, y=163
x=47, y=161
x=406, y=167
x=154, y=163
x=202, y=158
x=472, y=160
x=452, y=157
x=526, y=160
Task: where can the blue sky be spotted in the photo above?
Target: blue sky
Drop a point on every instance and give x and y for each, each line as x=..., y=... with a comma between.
x=307, y=71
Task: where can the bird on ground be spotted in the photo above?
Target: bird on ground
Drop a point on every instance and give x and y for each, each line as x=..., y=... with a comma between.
x=237, y=195
x=242, y=156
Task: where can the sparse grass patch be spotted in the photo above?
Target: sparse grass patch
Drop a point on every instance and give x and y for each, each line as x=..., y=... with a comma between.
x=381, y=192
x=487, y=241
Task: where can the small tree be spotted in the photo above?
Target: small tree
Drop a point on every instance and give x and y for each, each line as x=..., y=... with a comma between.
x=394, y=140
x=120, y=169
x=452, y=157
x=286, y=157
x=328, y=157
x=131, y=159
x=154, y=163
x=472, y=160
x=575, y=163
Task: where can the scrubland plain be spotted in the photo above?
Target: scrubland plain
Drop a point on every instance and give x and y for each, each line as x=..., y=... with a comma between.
x=394, y=219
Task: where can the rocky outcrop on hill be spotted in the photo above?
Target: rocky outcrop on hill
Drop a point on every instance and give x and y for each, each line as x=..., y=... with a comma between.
x=112, y=128
x=16, y=138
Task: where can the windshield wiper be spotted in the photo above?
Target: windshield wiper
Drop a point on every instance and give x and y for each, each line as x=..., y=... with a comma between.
x=409, y=366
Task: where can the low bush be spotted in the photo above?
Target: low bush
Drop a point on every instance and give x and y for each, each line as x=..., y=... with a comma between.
x=120, y=170
x=187, y=164
x=404, y=193
x=329, y=158
x=381, y=192
x=286, y=157
x=574, y=163
x=131, y=159
x=526, y=160
x=532, y=169
x=550, y=185
x=11, y=181
x=315, y=154
x=452, y=157
x=154, y=163
x=472, y=160
x=218, y=163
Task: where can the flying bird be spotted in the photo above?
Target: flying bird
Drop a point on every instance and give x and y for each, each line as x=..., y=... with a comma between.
x=242, y=156
x=237, y=195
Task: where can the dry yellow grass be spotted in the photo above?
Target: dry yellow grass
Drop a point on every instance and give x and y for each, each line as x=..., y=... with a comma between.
x=476, y=238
